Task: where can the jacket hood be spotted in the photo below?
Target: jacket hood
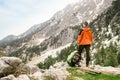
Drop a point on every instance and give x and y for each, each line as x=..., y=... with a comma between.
x=86, y=29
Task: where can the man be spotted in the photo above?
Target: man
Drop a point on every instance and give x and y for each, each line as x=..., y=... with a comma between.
x=73, y=59
x=85, y=39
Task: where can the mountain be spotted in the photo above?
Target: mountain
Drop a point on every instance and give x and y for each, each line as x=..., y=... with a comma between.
x=50, y=51
x=106, y=26
x=8, y=39
x=59, y=30
x=72, y=15
x=34, y=29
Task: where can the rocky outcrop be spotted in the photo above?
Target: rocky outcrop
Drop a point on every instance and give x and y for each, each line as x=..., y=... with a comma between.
x=12, y=68
x=23, y=77
x=10, y=77
x=107, y=70
x=8, y=65
x=57, y=71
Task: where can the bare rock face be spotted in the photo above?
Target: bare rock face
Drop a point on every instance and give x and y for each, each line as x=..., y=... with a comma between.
x=8, y=65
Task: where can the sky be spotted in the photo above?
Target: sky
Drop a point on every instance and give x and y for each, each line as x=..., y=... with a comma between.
x=17, y=16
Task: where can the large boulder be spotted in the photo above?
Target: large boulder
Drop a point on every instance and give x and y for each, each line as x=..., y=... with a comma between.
x=36, y=76
x=9, y=77
x=30, y=69
x=23, y=77
x=12, y=77
x=57, y=71
x=8, y=65
x=13, y=65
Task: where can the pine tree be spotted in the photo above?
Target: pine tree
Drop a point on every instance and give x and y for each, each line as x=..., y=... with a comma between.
x=118, y=57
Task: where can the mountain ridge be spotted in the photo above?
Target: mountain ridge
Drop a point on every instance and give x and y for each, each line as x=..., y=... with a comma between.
x=59, y=30
x=69, y=16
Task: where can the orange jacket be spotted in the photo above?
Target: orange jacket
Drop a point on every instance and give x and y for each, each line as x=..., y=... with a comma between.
x=85, y=37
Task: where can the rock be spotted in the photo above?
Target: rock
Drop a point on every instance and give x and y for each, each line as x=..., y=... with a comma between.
x=108, y=70
x=60, y=64
x=12, y=61
x=13, y=65
x=33, y=69
x=9, y=77
x=57, y=72
x=29, y=69
x=23, y=77
x=8, y=65
x=36, y=76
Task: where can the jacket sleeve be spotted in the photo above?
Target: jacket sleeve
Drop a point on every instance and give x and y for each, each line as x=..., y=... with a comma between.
x=71, y=56
x=80, y=32
x=79, y=37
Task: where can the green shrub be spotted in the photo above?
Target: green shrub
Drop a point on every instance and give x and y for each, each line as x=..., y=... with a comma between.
x=86, y=76
x=47, y=63
x=48, y=78
x=62, y=56
x=16, y=53
x=107, y=56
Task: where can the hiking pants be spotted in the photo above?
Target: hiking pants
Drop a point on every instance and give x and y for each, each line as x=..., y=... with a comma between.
x=72, y=64
x=87, y=48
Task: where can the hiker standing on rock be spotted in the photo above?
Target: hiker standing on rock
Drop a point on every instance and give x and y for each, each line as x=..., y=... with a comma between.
x=85, y=39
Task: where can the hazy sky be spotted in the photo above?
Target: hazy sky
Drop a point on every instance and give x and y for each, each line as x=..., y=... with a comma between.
x=17, y=16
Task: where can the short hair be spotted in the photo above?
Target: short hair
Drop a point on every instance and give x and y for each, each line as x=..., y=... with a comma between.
x=86, y=23
x=77, y=55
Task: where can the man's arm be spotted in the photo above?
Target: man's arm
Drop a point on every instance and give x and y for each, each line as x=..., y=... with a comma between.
x=71, y=56
x=80, y=31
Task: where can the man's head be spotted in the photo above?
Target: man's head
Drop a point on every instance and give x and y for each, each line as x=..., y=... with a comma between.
x=85, y=24
x=76, y=57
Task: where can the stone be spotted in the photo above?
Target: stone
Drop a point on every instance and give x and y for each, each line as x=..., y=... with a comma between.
x=9, y=77
x=8, y=65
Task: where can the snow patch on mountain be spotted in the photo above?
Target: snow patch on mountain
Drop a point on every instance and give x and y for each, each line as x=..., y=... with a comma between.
x=95, y=2
x=40, y=40
x=53, y=53
x=90, y=12
x=109, y=31
x=79, y=16
x=100, y=4
x=107, y=42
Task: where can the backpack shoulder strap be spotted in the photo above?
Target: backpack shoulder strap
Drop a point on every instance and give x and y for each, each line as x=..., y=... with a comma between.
x=80, y=31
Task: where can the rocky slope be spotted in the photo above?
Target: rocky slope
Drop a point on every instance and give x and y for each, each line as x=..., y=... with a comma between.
x=8, y=39
x=106, y=26
x=12, y=68
x=72, y=15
